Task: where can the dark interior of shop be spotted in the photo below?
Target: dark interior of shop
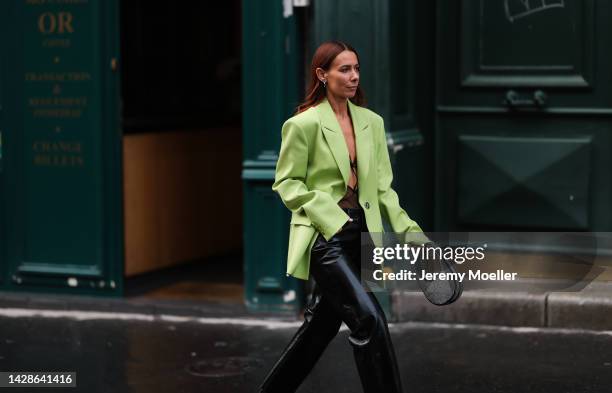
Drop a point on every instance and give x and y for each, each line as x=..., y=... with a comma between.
x=182, y=150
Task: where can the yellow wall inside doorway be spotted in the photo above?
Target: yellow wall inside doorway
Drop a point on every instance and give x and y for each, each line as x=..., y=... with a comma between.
x=182, y=197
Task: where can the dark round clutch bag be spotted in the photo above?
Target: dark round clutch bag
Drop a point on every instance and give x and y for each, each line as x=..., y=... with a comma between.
x=439, y=291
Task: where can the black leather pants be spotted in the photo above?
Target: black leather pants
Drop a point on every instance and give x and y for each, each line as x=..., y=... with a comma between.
x=339, y=296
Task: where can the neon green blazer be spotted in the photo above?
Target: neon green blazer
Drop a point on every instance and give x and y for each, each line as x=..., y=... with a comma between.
x=313, y=171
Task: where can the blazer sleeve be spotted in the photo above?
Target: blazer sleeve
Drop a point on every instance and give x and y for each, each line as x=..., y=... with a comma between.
x=289, y=182
x=388, y=199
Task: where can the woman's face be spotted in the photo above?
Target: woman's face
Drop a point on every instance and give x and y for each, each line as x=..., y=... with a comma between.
x=343, y=75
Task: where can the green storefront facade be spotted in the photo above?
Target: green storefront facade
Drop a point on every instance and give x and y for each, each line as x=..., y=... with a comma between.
x=61, y=162
x=497, y=109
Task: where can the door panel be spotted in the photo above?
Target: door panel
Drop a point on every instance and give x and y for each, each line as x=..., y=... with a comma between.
x=63, y=148
x=524, y=46
x=514, y=149
x=527, y=44
x=552, y=188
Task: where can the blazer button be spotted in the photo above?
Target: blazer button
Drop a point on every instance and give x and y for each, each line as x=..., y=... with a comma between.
x=367, y=205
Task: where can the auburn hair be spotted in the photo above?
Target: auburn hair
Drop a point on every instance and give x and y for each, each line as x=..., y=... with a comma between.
x=323, y=58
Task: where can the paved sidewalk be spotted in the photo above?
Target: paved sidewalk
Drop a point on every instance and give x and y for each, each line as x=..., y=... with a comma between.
x=520, y=305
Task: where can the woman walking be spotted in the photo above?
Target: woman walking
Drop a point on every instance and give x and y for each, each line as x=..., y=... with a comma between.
x=334, y=174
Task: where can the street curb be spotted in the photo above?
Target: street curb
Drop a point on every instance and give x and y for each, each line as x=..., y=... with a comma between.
x=589, y=309
x=507, y=309
x=580, y=311
x=136, y=306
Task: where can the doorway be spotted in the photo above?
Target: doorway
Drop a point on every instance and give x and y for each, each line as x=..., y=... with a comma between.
x=182, y=150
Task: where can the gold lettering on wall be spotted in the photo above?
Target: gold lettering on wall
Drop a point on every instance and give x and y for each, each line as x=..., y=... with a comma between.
x=55, y=22
x=48, y=2
x=58, y=97
x=63, y=101
x=56, y=43
x=58, y=107
x=57, y=76
x=58, y=153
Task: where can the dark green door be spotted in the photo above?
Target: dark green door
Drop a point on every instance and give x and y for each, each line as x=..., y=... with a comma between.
x=272, y=53
x=523, y=115
x=61, y=148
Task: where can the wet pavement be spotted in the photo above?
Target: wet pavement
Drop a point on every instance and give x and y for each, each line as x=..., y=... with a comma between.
x=143, y=353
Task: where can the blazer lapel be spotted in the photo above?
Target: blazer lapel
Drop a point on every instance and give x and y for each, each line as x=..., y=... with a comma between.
x=337, y=143
x=362, y=141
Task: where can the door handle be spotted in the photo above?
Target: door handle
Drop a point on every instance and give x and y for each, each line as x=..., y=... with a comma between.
x=514, y=100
